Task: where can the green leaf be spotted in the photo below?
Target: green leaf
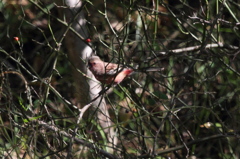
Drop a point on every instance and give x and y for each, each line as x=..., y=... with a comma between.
x=160, y=95
x=31, y=119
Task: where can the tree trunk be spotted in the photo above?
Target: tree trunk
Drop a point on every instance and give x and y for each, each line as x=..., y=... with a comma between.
x=78, y=51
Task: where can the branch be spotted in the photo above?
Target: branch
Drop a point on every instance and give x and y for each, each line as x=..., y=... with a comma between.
x=192, y=48
x=77, y=140
x=60, y=21
x=213, y=137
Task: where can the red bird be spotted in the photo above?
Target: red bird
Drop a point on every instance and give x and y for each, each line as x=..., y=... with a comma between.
x=107, y=73
x=110, y=73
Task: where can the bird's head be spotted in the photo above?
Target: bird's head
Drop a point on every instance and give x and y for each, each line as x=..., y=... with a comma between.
x=95, y=64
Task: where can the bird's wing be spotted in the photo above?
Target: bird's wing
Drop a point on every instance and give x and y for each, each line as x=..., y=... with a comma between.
x=112, y=68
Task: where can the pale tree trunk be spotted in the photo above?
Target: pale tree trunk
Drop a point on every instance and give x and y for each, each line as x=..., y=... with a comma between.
x=78, y=52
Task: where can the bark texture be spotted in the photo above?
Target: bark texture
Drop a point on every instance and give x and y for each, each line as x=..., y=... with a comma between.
x=86, y=86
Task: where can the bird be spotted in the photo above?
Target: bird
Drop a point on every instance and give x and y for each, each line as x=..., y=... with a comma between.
x=110, y=73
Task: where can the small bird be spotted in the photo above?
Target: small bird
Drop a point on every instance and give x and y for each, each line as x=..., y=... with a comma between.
x=110, y=73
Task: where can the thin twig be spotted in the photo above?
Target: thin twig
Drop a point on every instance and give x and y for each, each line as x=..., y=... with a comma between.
x=193, y=48
x=77, y=140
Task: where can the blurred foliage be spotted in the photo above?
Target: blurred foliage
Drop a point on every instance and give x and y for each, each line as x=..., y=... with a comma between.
x=189, y=110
